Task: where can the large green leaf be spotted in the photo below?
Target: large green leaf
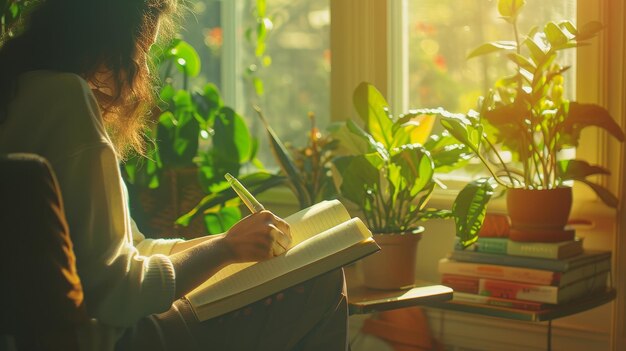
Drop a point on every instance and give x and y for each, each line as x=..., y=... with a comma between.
x=356, y=176
x=372, y=108
x=221, y=219
x=372, y=143
x=256, y=183
x=186, y=58
x=286, y=163
x=447, y=152
x=555, y=35
x=469, y=209
x=581, y=115
x=232, y=142
x=462, y=129
x=589, y=30
x=416, y=167
x=510, y=9
x=495, y=46
x=579, y=170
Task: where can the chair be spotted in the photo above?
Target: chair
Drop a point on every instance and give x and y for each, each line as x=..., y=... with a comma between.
x=41, y=297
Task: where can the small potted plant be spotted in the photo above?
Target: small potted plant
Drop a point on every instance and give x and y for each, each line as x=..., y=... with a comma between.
x=528, y=117
x=388, y=172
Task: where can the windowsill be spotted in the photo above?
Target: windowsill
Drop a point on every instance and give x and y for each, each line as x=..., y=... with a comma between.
x=586, y=209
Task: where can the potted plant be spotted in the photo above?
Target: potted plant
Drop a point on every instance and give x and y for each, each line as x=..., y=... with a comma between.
x=388, y=172
x=528, y=117
x=195, y=140
x=303, y=170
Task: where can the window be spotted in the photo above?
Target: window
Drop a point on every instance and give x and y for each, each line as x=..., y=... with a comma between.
x=414, y=51
x=286, y=74
x=442, y=32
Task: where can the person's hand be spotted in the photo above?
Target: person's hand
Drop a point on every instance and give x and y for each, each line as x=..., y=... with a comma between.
x=258, y=237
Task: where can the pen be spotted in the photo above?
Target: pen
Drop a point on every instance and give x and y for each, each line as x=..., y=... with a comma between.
x=253, y=204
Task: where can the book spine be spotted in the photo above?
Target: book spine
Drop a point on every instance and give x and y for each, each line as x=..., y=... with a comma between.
x=542, y=293
x=492, y=245
x=507, y=260
x=545, y=250
x=499, y=302
x=460, y=283
x=486, y=245
x=480, y=270
x=518, y=291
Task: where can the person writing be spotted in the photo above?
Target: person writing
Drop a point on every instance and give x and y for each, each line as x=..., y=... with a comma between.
x=75, y=88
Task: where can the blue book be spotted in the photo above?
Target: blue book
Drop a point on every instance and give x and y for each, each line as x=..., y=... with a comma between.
x=555, y=265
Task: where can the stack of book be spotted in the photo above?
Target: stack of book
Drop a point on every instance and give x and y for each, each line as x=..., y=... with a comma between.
x=524, y=275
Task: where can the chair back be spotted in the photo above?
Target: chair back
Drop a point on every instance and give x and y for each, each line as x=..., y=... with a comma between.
x=41, y=298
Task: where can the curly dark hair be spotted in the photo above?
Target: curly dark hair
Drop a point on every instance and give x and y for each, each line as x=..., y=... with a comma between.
x=104, y=41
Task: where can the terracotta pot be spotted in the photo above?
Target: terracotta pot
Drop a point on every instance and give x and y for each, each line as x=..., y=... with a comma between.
x=394, y=266
x=539, y=209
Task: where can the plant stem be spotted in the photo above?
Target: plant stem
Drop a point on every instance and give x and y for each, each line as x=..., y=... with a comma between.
x=506, y=169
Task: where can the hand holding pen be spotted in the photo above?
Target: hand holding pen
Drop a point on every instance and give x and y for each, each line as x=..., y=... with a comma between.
x=260, y=234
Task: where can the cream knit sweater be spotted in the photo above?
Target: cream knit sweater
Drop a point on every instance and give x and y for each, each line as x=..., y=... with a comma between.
x=124, y=275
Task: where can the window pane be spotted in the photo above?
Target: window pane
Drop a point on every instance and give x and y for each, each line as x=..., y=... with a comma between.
x=297, y=81
x=287, y=79
x=443, y=32
x=203, y=29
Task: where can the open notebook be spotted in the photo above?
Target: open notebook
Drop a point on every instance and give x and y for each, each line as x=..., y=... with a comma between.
x=324, y=238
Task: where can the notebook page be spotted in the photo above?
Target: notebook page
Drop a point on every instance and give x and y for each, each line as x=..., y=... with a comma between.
x=313, y=249
x=316, y=219
x=303, y=224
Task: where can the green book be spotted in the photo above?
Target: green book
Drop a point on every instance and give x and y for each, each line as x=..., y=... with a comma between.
x=556, y=250
x=487, y=245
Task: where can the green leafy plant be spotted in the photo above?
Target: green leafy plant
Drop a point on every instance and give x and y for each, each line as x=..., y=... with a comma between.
x=389, y=166
x=11, y=12
x=194, y=131
x=304, y=170
x=527, y=116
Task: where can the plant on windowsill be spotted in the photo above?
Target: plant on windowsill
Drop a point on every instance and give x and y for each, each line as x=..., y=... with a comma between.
x=303, y=170
x=388, y=171
x=195, y=140
x=528, y=117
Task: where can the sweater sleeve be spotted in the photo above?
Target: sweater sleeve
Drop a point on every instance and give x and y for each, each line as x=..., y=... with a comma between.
x=152, y=246
x=121, y=285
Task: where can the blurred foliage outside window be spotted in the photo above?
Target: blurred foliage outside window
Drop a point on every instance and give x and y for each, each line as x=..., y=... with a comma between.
x=443, y=32
x=291, y=77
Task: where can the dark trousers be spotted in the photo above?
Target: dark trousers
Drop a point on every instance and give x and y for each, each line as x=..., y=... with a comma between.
x=312, y=316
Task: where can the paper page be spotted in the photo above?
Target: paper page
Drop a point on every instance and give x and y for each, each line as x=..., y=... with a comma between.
x=303, y=225
x=307, y=252
x=316, y=219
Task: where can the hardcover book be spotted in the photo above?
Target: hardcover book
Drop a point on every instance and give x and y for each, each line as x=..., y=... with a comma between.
x=556, y=250
x=602, y=262
x=543, y=293
x=474, y=298
x=560, y=265
x=486, y=244
x=324, y=238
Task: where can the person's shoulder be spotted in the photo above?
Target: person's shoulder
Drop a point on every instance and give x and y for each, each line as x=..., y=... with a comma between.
x=65, y=99
x=57, y=83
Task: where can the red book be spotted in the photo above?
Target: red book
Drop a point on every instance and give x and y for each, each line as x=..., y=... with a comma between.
x=460, y=283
